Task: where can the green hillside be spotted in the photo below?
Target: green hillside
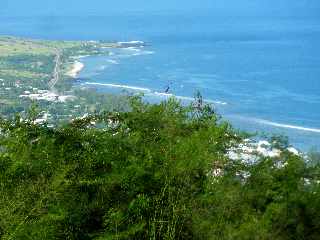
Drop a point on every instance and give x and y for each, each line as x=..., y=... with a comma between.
x=154, y=172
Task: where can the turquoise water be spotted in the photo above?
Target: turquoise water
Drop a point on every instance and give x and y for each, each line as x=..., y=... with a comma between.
x=261, y=74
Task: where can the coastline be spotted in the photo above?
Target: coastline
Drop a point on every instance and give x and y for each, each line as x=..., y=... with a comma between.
x=277, y=128
x=77, y=67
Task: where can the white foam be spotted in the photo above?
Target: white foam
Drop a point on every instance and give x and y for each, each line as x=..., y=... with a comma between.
x=184, y=98
x=280, y=125
x=215, y=102
x=80, y=57
x=149, y=92
x=139, y=53
x=131, y=42
x=205, y=100
x=133, y=49
x=102, y=68
x=112, y=61
x=163, y=94
x=119, y=86
x=168, y=95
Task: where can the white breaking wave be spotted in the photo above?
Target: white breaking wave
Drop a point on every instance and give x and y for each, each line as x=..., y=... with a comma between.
x=168, y=95
x=138, y=51
x=163, y=94
x=101, y=68
x=133, y=49
x=112, y=61
x=119, y=86
x=151, y=93
x=132, y=42
x=315, y=130
x=143, y=53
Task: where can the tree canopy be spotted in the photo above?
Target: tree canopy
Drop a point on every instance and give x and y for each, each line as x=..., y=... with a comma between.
x=158, y=171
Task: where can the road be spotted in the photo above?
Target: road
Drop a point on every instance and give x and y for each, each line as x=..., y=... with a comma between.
x=56, y=71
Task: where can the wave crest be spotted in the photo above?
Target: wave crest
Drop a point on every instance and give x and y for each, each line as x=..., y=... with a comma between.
x=280, y=125
x=151, y=93
x=119, y=86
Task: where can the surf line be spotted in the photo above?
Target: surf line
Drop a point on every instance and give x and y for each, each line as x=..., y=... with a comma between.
x=150, y=93
x=315, y=130
x=119, y=86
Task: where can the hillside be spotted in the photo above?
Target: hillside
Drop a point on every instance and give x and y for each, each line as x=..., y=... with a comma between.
x=77, y=164
x=154, y=172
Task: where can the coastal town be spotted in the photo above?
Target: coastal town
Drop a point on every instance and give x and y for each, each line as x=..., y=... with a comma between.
x=43, y=73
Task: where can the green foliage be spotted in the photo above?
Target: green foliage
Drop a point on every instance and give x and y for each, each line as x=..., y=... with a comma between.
x=29, y=62
x=28, y=66
x=147, y=174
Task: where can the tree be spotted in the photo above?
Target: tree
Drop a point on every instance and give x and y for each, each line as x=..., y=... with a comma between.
x=147, y=173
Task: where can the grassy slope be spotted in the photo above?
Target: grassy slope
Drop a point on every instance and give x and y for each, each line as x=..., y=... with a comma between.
x=27, y=65
x=10, y=46
x=35, y=51
x=32, y=54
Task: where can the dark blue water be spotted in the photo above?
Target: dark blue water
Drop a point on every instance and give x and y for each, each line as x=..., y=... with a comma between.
x=262, y=74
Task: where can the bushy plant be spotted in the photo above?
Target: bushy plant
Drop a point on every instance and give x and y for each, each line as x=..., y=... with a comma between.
x=148, y=174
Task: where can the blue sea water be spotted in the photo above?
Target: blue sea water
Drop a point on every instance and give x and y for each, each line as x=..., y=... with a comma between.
x=262, y=74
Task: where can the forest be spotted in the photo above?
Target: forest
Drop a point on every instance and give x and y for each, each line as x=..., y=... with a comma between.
x=153, y=171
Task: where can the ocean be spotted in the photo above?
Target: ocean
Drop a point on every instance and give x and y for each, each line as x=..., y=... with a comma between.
x=261, y=74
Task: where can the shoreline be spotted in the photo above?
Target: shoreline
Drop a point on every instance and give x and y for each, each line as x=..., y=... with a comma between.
x=278, y=128
x=77, y=67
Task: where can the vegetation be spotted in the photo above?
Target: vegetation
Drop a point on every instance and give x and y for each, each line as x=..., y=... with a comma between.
x=157, y=171
x=32, y=66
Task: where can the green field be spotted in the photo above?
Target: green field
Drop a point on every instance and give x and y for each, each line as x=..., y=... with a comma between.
x=25, y=59
x=29, y=66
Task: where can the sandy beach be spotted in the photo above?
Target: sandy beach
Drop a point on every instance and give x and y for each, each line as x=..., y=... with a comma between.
x=76, y=69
